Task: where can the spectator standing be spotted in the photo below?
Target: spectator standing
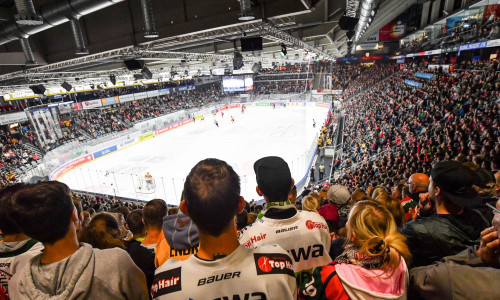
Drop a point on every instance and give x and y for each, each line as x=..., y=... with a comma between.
x=141, y=256
x=66, y=269
x=152, y=216
x=179, y=239
x=454, y=226
x=372, y=265
x=16, y=248
x=471, y=274
x=222, y=268
x=303, y=234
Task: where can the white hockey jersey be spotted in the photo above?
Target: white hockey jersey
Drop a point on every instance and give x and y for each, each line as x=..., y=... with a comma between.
x=13, y=257
x=251, y=274
x=305, y=236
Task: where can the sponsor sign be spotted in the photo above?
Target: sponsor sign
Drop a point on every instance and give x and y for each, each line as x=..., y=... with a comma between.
x=19, y=95
x=367, y=46
x=473, y=46
x=412, y=83
x=273, y=263
x=164, y=91
x=126, y=98
x=321, y=104
x=493, y=43
x=400, y=61
x=126, y=143
x=105, y=151
x=173, y=126
x=146, y=137
x=373, y=38
x=91, y=104
x=154, y=93
x=13, y=118
x=425, y=76
x=262, y=104
x=69, y=166
x=348, y=59
x=77, y=106
x=139, y=96
x=183, y=88
x=110, y=101
x=394, y=30
x=167, y=282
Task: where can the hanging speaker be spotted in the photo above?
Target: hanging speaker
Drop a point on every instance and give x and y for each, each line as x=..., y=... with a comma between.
x=146, y=73
x=134, y=64
x=348, y=23
x=38, y=89
x=237, y=61
x=67, y=86
x=112, y=78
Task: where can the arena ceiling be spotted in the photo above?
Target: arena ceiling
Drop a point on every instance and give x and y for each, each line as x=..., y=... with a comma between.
x=193, y=35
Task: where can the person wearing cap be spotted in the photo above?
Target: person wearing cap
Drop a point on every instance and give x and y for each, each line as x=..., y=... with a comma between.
x=222, y=268
x=303, y=234
x=471, y=273
x=338, y=195
x=454, y=226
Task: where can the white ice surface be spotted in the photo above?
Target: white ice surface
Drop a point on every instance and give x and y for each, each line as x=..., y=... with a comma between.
x=259, y=132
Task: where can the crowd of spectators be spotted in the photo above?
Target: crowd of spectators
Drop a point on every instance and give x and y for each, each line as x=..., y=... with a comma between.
x=393, y=130
x=411, y=216
x=14, y=156
x=464, y=33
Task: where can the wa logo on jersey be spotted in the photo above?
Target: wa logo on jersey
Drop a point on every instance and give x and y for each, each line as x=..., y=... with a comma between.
x=273, y=263
x=167, y=282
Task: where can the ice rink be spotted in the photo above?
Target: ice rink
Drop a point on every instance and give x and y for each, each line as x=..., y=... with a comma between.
x=260, y=131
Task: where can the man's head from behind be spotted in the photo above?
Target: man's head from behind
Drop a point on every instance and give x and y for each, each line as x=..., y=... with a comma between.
x=153, y=213
x=418, y=182
x=212, y=196
x=274, y=180
x=44, y=211
x=134, y=222
x=7, y=225
x=451, y=184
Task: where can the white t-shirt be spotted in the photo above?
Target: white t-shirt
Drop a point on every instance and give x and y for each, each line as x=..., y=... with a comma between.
x=305, y=236
x=262, y=273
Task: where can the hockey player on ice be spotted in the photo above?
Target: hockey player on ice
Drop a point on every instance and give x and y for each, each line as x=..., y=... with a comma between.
x=216, y=123
x=232, y=119
x=314, y=123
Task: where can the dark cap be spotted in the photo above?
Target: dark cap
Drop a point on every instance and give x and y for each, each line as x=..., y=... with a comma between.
x=455, y=181
x=273, y=177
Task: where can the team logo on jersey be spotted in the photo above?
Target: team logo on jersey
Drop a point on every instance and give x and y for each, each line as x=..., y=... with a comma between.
x=254, y=239
x=311, y=225
x=273, y=263
x=166, y=282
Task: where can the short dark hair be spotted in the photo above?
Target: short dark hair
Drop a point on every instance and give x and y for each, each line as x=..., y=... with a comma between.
x=241, y=219
x=212, y=192
x=43, y=210
x=7, y=226
x=153, y=212
x=134, y=221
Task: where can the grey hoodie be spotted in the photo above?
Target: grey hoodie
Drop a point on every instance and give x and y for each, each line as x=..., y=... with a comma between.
x=86, y=274
x=180, y=232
